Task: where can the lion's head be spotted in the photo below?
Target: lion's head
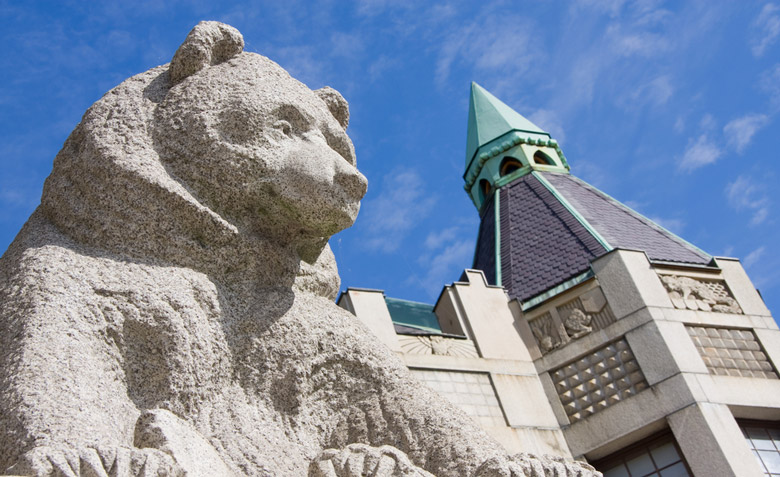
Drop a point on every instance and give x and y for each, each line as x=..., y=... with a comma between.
x=257, y=145
x=202, y=159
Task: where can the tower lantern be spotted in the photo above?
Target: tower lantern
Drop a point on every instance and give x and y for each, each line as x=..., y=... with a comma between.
x=502, y=145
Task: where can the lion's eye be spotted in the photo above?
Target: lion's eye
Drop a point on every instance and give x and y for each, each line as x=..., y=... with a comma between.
x=283, y=126
x=240, y=126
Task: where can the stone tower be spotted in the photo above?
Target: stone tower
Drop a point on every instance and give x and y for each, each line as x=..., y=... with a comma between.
x=612, y=305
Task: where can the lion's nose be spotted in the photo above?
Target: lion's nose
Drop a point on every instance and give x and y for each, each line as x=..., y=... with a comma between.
x=351, y=180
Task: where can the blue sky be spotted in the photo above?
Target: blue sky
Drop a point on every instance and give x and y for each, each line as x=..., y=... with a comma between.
x=671, y=107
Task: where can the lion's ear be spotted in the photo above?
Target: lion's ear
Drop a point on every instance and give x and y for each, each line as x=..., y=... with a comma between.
x=209, y=43
x=336, y=103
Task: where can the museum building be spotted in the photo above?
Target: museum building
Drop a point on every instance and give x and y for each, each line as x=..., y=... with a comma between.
x=586, y=330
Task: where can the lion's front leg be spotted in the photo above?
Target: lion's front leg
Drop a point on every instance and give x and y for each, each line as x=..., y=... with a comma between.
x=95, y=462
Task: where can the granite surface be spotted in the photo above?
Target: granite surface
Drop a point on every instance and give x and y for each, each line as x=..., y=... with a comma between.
x=168, y=309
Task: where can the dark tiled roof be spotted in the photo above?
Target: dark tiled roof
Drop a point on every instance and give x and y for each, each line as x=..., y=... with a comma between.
x=484, y=256
x=620, y=226
x=542, y=243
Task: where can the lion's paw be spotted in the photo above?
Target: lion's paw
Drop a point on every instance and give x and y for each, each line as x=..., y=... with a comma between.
x=529, y=465
x=95, y=462
x=359, y=460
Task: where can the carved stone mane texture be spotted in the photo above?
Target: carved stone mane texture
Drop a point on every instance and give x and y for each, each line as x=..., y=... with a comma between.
x=168, y=307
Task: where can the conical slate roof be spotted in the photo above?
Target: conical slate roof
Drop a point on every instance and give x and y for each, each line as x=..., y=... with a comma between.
x=489, y=119
x=550, y=227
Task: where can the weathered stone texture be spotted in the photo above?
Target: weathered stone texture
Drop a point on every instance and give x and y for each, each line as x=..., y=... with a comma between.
x=168, y=307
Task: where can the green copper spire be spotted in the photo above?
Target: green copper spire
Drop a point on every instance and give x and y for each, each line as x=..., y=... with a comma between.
x=503, y=146
x=489, y=119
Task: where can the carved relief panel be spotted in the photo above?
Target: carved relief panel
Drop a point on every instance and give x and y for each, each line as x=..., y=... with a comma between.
x=571, y=320
x=700, y=294
x=440, y=345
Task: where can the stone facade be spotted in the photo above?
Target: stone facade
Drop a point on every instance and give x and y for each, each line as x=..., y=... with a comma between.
x=637, y=365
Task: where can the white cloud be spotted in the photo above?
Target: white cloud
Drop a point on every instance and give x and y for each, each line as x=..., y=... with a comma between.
x=592, y=172
x=438, y=238
x=673, y=225
x=740, y=131
x=626, y=40
x=659, y=90
x=699, y=153
x=388, y=218
x=745, y=194
x=549, y=121
x=753, y=256
x=378, y=7
x=444, y=267
x=15, y=197
x=484, y=46
x=302, y=62
x=679, y=124
x=612, y=7
x=707, y=122
x=654, y=92
x=346, y=45
x=770, y=83
x=381, y=66
x=765, y=29
x=635, y=205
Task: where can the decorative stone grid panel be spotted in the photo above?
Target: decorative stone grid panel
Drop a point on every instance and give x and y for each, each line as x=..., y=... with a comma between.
x=698, y=294
x=598, y=380
x=472, y=392
x=731, y=352
x=437, y=345
x=572, y=320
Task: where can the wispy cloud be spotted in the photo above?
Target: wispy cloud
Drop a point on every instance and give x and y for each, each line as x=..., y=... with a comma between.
x=679, y=124
x=753, y=256
x=739, y=132
x=673, y=225
x=630, y=57
x=626, y=40
x=497, y=44
x=401, y=203
x=765, y=29
x=445, y=265
x=438, y=238
x=770, y=84
x=381, y=66
x=745, y=194
x=656, y=91
x=699, y=153
x=302, y=62
x=549, y=121
x=347, y=45
x=592, y=172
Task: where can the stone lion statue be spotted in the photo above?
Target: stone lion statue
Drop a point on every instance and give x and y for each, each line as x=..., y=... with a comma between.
x=168, y=309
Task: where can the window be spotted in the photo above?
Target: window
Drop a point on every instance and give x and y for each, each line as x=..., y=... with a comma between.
x=764, y=440
x=542, y=158
x=485, y=189
x=509, y=165
x=657, y=456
